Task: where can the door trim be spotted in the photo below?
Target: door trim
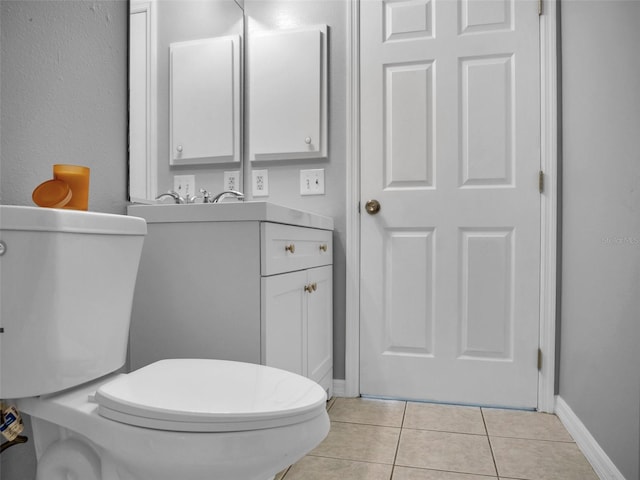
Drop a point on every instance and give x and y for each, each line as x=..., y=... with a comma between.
x=548, y=206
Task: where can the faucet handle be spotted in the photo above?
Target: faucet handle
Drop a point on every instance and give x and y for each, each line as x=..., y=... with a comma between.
x=206, y=196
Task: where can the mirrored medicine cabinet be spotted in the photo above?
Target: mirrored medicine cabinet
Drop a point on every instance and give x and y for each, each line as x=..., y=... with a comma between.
x=185, y=78
x=188, y=94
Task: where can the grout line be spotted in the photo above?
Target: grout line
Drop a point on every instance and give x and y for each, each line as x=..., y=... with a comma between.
x=393, y=466
x=287, y=471
x=493, y=456
x=455, y=432
x=533, y=439
x=345, y=459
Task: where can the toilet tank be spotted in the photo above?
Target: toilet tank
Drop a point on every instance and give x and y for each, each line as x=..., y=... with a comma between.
x=66, y=289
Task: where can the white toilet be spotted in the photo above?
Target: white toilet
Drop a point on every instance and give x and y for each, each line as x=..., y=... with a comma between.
x=66, y=280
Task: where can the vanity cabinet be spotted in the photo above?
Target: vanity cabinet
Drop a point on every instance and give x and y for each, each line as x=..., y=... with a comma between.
x=297, y=305
x=245, y=289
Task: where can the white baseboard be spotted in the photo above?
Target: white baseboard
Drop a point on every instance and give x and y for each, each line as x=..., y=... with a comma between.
x=338, y=387
x=599, y=460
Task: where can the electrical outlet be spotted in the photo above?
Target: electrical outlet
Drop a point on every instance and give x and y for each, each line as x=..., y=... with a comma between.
x=260, y=183
x=184, y=185
x=312, y=182
x=232, y=180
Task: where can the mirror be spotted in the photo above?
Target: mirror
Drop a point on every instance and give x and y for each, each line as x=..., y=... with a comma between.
x=185, y=87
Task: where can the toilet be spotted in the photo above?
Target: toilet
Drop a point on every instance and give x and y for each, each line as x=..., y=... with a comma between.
x=66, y=280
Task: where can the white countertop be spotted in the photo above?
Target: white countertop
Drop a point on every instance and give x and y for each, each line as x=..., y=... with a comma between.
x=229, y=212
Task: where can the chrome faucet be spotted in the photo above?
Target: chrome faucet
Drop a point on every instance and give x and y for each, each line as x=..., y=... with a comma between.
x=227, y=193
x=177, y=197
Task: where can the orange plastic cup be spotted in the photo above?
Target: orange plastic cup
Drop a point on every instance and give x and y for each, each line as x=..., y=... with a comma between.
x=77, y=177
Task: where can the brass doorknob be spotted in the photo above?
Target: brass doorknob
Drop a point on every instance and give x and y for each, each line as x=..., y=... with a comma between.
x=372, y=207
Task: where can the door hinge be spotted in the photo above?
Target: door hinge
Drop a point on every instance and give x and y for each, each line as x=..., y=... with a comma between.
x=539, y=359
x=540, y=7
x=541, y=181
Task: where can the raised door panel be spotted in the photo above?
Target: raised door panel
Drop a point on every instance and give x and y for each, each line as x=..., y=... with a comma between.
x=319, y=322
x=284, y=306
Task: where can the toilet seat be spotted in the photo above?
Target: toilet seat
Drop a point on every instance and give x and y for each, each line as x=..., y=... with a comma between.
x=202, y=395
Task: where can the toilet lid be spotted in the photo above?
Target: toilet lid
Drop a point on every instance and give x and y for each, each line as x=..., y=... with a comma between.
x=198, y=395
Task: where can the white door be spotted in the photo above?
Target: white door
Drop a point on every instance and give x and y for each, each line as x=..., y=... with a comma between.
x=451, y=151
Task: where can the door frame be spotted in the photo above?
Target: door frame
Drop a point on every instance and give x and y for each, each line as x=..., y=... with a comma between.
x=548, y=205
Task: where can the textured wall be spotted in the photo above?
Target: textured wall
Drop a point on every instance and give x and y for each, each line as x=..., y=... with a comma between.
x=64, y=96
x=599, y=363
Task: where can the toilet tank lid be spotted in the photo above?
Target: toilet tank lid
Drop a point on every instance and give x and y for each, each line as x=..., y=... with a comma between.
x=23, y=218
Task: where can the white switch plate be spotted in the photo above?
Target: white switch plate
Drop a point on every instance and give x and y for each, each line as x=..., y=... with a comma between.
x=312, y=182
x=232, y=180
x=260, y=182
x=184, y=185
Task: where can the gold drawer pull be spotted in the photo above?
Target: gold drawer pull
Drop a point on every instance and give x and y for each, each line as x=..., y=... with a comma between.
x=290, y=248
x=323, y=247
x=311, y=287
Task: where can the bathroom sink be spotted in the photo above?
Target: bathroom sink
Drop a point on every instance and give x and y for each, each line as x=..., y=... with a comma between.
x=229, y=212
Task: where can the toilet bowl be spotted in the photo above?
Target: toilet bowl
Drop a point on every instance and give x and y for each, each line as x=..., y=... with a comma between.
x=191, y=419
x=67, y=285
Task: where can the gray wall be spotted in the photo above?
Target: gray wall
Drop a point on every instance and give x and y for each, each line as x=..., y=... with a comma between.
x=64, y=97
x=600, y=361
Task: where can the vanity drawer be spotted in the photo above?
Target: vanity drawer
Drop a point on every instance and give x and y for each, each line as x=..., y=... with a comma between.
x=285, y=248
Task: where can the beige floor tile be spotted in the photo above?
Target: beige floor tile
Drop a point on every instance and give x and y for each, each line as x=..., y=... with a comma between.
x=453, y=452
x=319, y=468
x=444, y=418
x=540, y=460
x=519, y=424
x=405, y=473
x=386, y=413
x=352, y=441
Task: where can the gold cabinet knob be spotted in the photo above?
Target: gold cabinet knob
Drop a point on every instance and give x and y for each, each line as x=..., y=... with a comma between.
x=323, y=247
x=372, y=207
x=290, y=248
x=311, y=287
x=307, y=288
x=314, y=286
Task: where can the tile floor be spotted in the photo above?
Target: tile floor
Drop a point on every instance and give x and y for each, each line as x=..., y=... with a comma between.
x=395, y=440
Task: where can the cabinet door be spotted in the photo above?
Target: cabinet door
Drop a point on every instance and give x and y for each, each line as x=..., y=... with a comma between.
x=319, y=322
x=283, y=322
x=288, y=94
x=204, y=101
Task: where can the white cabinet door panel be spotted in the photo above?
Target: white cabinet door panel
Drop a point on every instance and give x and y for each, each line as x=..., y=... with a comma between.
x=287, y=94
x=319, y=322
x=205, y=108
x=283, y=321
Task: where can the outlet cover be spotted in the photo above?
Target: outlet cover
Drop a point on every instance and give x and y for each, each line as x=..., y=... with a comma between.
x=312, y=182
x=260, y=183
x=232, y=180
x=184, y=185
